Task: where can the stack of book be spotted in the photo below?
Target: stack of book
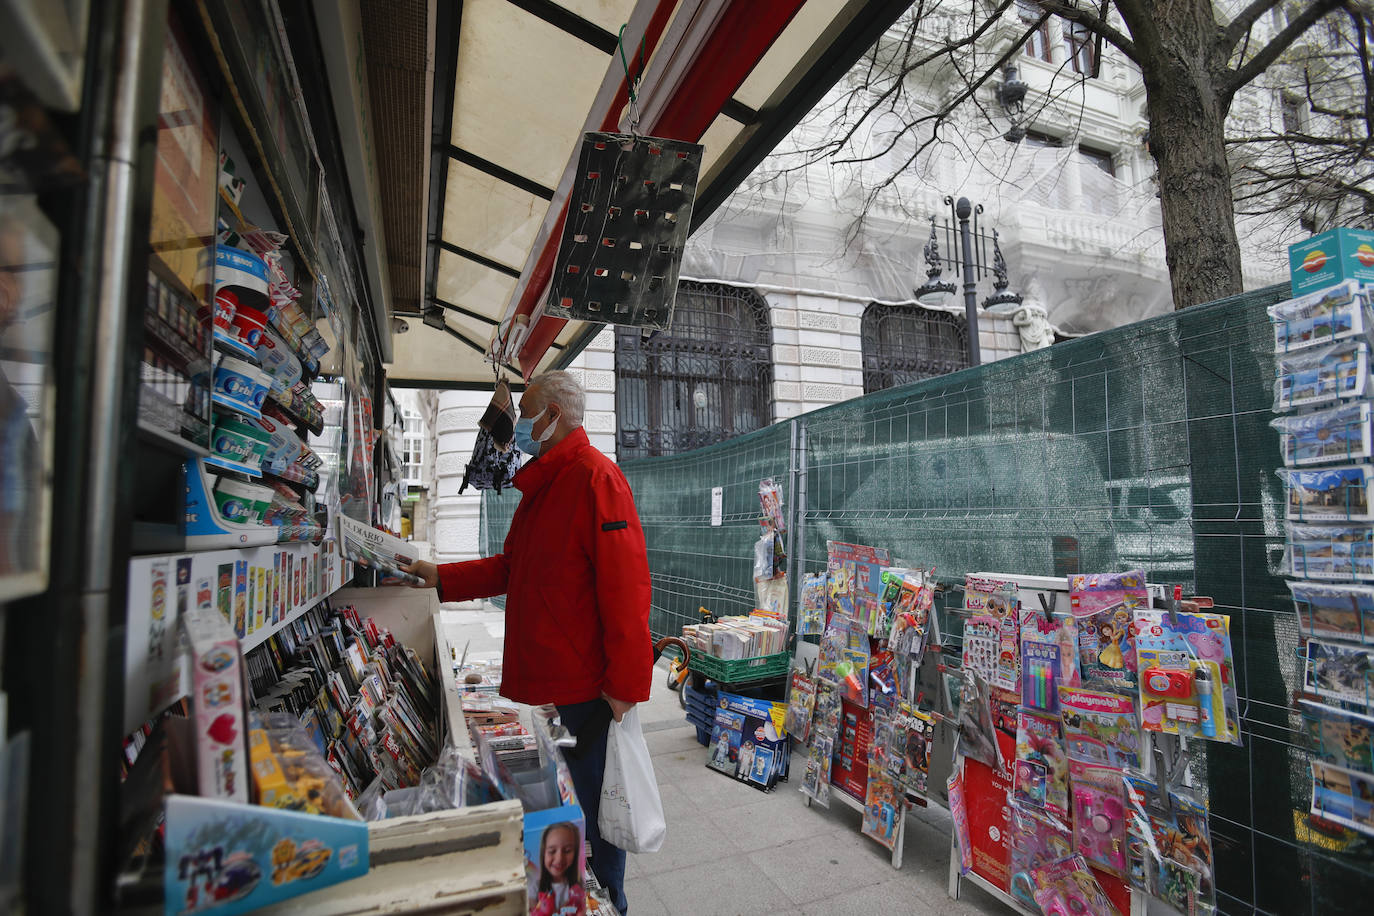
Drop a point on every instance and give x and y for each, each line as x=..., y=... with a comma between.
x=739, y=637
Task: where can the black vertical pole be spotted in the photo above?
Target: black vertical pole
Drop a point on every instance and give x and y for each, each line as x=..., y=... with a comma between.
x=963, y=209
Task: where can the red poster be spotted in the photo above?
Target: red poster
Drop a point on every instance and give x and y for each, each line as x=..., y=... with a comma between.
x=849, y=771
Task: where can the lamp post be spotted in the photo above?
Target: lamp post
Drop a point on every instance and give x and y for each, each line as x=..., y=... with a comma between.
x=972, y=264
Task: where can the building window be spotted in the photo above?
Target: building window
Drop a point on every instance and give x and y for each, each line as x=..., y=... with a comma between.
x=1098, y=159
x=906, y=343
x=1038, y=45
x=707, y=379
x=1079, y=47
x=413, y=459
x=1098, y=182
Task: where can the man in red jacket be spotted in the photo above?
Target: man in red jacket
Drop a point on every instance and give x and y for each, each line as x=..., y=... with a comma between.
x=576, y=578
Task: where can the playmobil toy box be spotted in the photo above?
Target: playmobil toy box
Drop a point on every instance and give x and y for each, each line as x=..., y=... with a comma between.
x=226, y=858
x=217, y=702
x=1327, y=259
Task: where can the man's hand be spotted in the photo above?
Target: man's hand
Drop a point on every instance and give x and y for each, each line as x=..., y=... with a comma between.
x=427, y=571
x=618, y=708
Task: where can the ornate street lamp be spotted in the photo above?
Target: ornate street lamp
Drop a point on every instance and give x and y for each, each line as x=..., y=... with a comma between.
x=936, y=289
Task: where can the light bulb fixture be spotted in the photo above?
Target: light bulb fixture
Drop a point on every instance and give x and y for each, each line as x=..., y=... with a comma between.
x=1001, y=302
x=935, y=290
x=1012, y=92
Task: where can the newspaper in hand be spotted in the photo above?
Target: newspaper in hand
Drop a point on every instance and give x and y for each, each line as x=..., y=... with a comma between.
x=377, y=550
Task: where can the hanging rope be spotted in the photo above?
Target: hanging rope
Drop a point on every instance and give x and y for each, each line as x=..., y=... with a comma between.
x=631, y=81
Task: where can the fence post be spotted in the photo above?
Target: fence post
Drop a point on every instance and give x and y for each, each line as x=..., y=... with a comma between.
x=796, y=523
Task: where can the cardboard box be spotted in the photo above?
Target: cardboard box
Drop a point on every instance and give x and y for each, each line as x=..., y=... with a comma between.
x=1327, y=259
x=217, y=704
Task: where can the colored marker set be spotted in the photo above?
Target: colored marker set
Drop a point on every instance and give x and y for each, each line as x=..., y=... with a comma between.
x=1038, y=685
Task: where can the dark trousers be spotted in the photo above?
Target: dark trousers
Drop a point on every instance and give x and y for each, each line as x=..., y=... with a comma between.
x=587, y=766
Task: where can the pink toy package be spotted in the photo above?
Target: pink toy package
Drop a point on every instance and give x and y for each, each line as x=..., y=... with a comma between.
x=1067, y=888
x=1099, y=816
x=217, y=701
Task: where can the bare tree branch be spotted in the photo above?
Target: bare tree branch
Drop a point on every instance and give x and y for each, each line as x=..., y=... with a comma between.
x=1244, y=21
x=1242, y=75
x=1092, y=22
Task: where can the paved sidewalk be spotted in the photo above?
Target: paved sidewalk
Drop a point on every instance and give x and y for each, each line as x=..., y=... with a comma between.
x=732, y=850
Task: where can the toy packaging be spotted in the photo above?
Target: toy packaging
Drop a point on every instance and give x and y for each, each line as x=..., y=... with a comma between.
x=1340, y=671
x=1040, y=774
x=1099, y=816
x=856, y=575
x=1341, y=552
x=958, y=813
x=825, y=727
x=977, y=734
x=1104, y=605
x=770, y=500
x=1334, y=611
x=1035, y=842
x=843, y=658
x=555, y=862
x=1343, y=796
x=1187, y=675
x=811, y=605
x=884, y=804
x=1067, y=888
x=1340, y=433
x=1169, y=852
x=913, y=737
x=1317, y=318
x=1309, y=378
x=1338, y=736
x=801, y=702
x=1049, y=659
x=1100, y=727
x=228, y=858
x=882, y=681
x=749, y=742
x=217, y=702
x=1327, y=494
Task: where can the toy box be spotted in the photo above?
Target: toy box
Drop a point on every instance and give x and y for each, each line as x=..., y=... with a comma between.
x=1319, y=318
x=1328, y=258
x=1340, y=433
x=1327, y=494
x=217, y=701
x=1321, y=375
x=226, y=858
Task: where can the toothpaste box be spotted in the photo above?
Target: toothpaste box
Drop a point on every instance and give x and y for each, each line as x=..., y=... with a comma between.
x=1327, y=259
x=217, y=704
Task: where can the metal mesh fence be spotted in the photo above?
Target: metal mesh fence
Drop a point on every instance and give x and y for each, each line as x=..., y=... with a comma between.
x=1146, y=446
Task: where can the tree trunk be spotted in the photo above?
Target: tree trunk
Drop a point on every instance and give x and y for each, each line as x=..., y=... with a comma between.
x=1187, y=140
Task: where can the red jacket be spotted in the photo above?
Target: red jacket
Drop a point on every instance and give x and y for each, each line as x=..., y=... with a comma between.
x=575, y=573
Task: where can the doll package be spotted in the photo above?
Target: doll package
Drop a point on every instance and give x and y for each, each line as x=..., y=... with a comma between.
x=1040, y=773
x=990, y=634
x=1104, y=605
x=1099, y=816
x=1035, y=841
x=1067, y=888
x=1187, y=675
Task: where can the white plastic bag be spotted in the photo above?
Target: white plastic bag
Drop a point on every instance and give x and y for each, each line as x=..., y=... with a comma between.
x=631, y=814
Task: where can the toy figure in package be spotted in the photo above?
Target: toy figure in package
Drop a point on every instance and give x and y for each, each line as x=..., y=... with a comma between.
x=1187, y=675
x=1035, y=841
x=1169, y=852
x=811, y=605
x=990, y=635
x=858, y=572
x=801, y=701
x=843, y=658
x=824, y=730
x=1105, y=605
x=748, y=740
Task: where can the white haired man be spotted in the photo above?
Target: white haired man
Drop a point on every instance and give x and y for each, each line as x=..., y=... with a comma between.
x=575, y=573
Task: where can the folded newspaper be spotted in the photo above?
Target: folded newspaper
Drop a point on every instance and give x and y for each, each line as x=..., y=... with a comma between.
x=377, y=550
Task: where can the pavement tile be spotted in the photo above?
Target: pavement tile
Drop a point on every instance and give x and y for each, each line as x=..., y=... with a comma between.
x=690, y=841
x=810, y=870
x=720, y=887
x=890, y=898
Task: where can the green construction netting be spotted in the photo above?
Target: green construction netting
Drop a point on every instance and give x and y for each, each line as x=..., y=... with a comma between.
x=1145, y=446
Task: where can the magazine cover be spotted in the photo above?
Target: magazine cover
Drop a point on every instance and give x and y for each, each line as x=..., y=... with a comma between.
x=801, y=702
x=884, y=807
x=990, y=636
x=555, y=862
x=1049, y=659
x=824, y=731
x=1191, y=643
x=811, y=605
x=1340, y=671
x=1040, y=774
x=843, y=657
x=1334, y=611
x=748, y=741
x=1100, y=727
x=367, y=546
x=1068, y=887
x=1339, y=736
x=1105, y=604
x=1035, y=841
x=913, y=737
x=1169, y=851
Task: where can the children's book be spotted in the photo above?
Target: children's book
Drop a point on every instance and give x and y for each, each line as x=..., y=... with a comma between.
x=991, y=640
x=1040, y=774
x=811, y=605
x=1049, y=659
x=856, y=571
x=1187, y=675
x=1169, y=850
x=1100, y=727
x=1105, y=604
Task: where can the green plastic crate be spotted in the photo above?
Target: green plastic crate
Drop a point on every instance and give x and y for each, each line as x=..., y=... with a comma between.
x=737, y=670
